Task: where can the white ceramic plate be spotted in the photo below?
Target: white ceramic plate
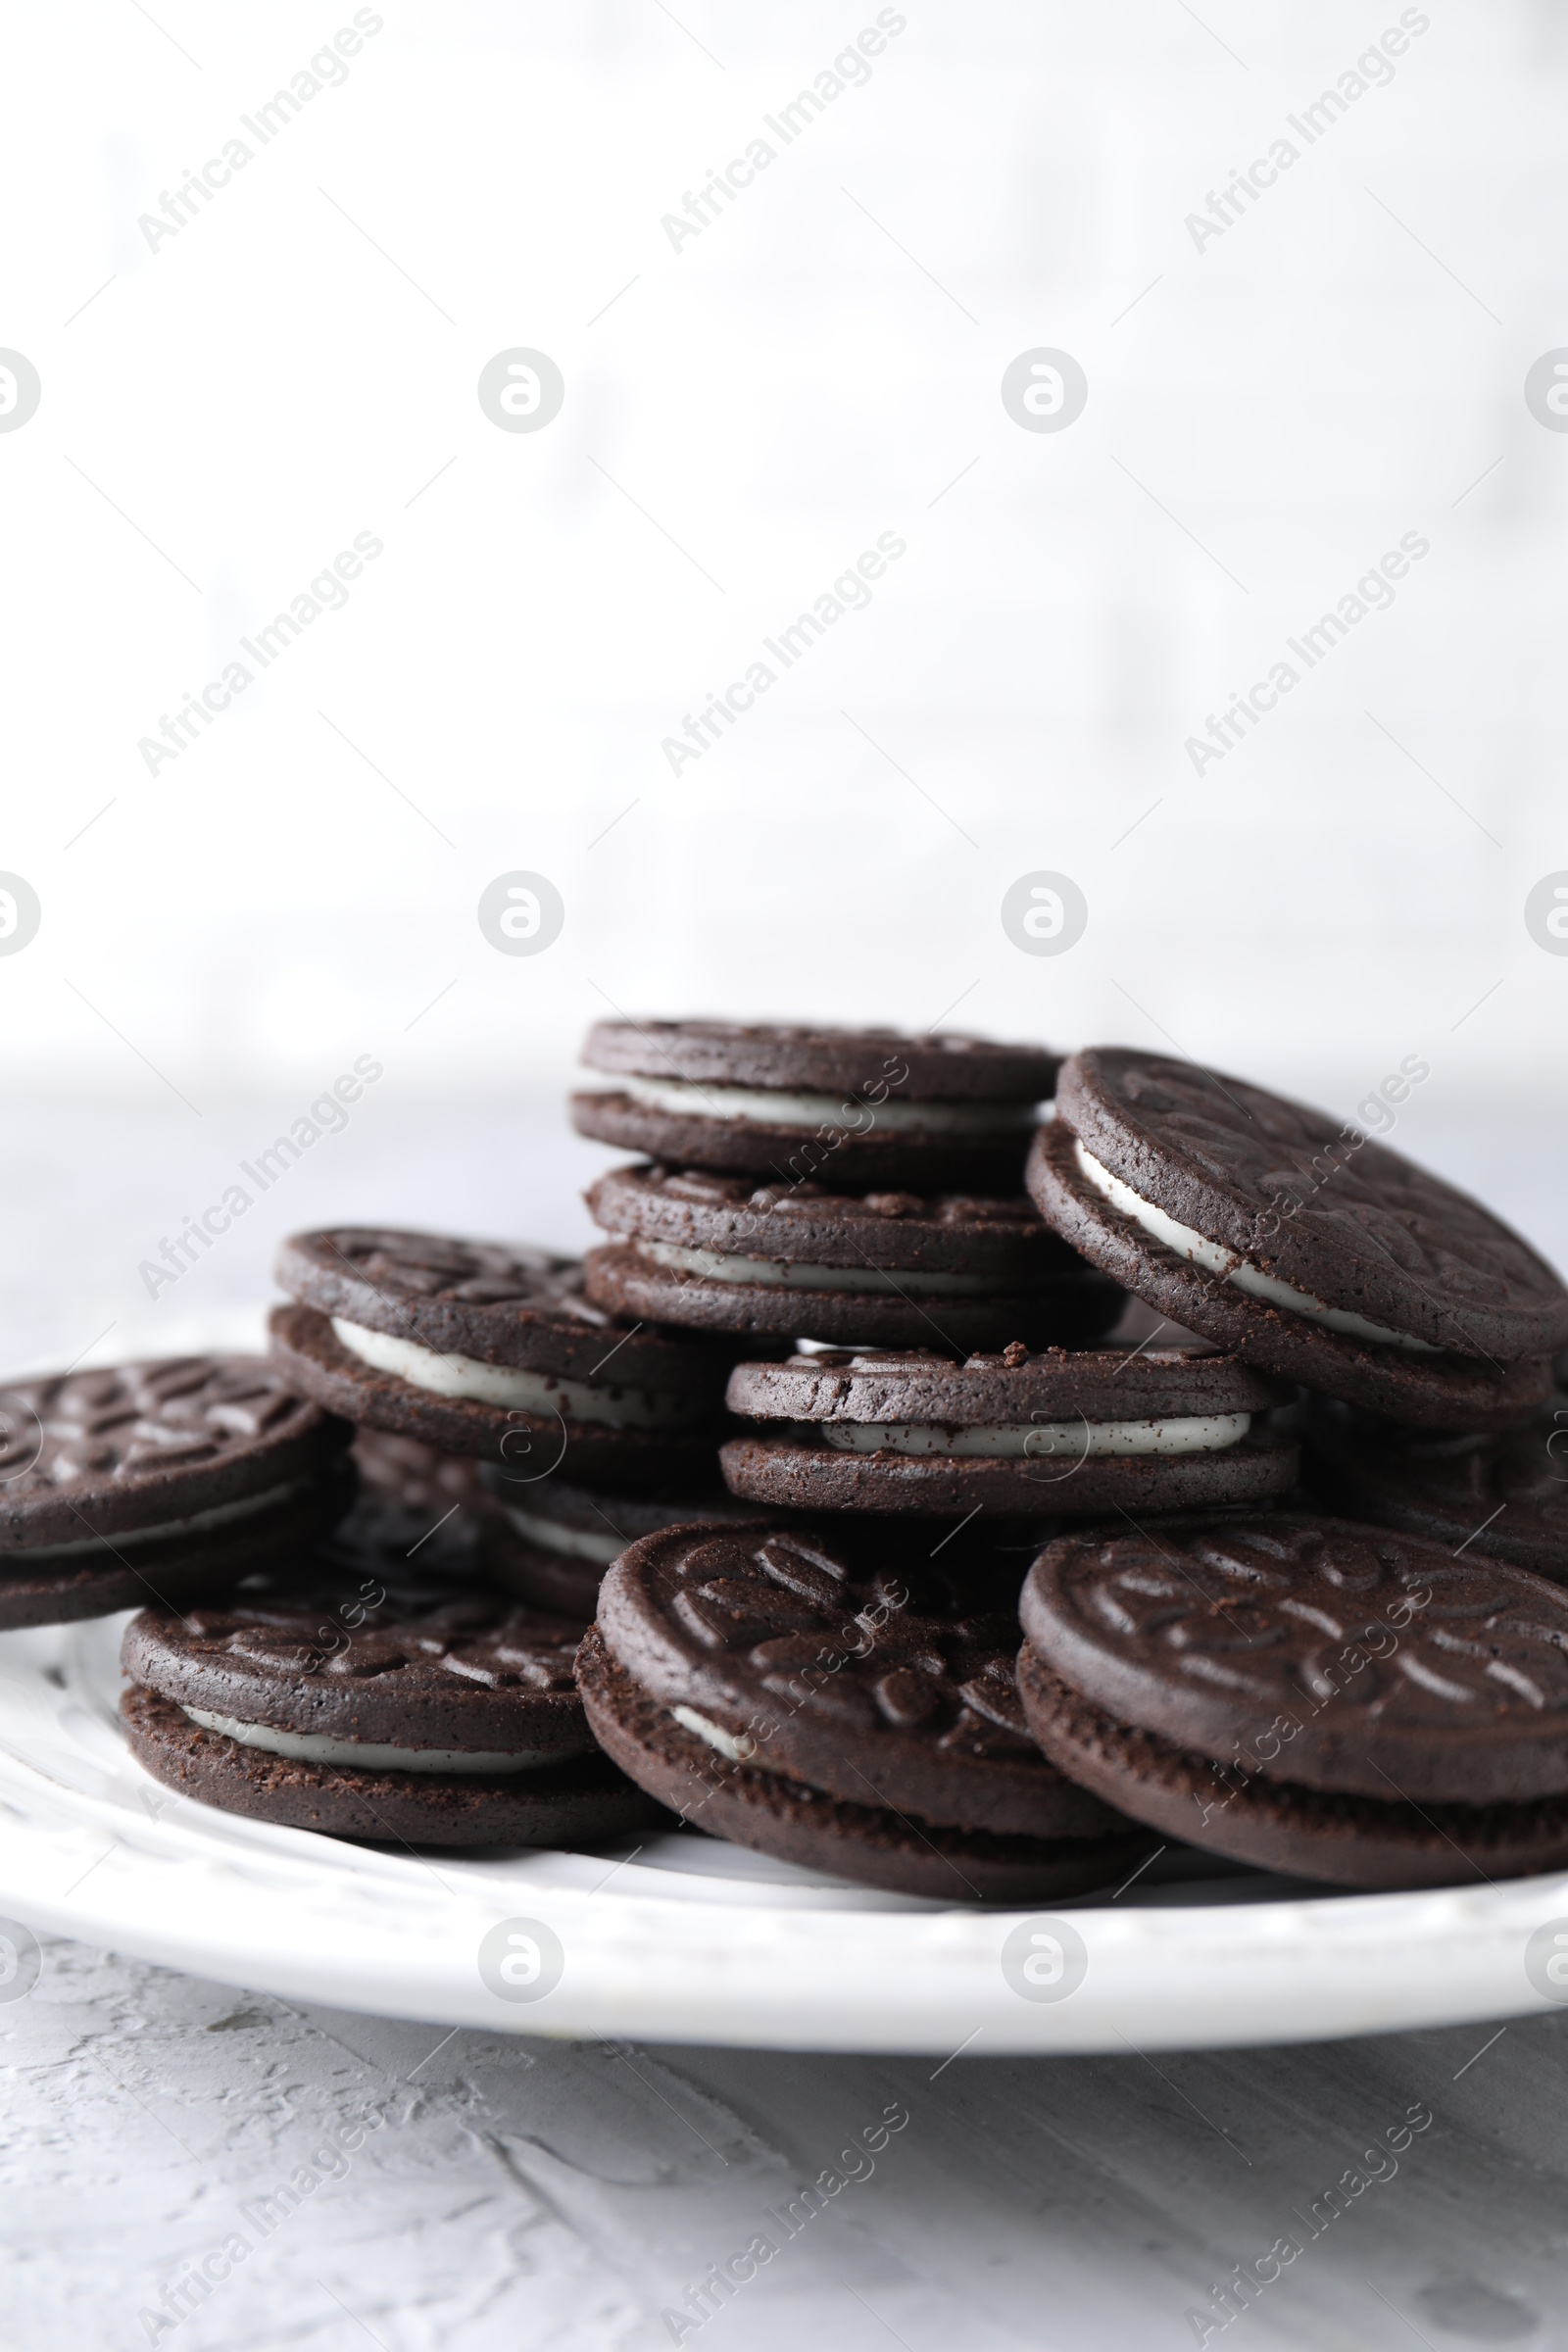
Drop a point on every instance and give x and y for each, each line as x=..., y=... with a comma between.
x=685, y=1939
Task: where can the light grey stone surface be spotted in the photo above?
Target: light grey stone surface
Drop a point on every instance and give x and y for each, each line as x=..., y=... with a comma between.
x=523, y=2193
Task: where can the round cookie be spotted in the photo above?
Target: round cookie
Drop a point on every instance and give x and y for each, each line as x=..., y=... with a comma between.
x=861, y=1107
x=852, y=1721
x=478, y=1347
x=1503, y=1496
x=1307, y=1695
x=361, y=1700
x=1298, y=1245
x=419, y=1479
x=154, y=1480
x=556, y=1539
x=1068, y=1433
x=438, y=1502
x=719, y=1253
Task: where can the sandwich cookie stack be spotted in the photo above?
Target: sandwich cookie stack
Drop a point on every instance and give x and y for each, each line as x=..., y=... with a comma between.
x=775, y=1694
x=359, y=1699
x=157, y=1481
x=922, y=1270
x=843, y=1230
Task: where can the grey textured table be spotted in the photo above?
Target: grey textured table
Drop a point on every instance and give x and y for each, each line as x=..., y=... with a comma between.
x=520, y=2193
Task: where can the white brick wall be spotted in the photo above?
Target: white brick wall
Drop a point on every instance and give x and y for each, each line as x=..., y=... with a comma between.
x=1297, y=394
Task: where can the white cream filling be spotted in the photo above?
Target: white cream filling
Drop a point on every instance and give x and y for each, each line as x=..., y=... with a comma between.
x=539, y=1393
x=221, y=1514
x=573, y=1543
x=1207, y=1433
x=739, y=1747
x=688, y=1099
x=370, y=1755
x=793, y=1276
x=1216, y=1258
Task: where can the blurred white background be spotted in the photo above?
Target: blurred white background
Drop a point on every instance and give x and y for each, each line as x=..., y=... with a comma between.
x=1269, y=410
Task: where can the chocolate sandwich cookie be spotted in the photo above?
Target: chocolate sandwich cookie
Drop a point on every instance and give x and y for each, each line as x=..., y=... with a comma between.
x=1300, y=1245
x=772, y=1694
x=717, y=1253
x=849, y=1106
x=436, y=1504
x=484, y=1349
x=154, y=1480
x=359, y=1699
x=1503, y=1496
x=419, y=1479
x=1307, y=1695
x=1066, y=1433
x=556, y=1539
